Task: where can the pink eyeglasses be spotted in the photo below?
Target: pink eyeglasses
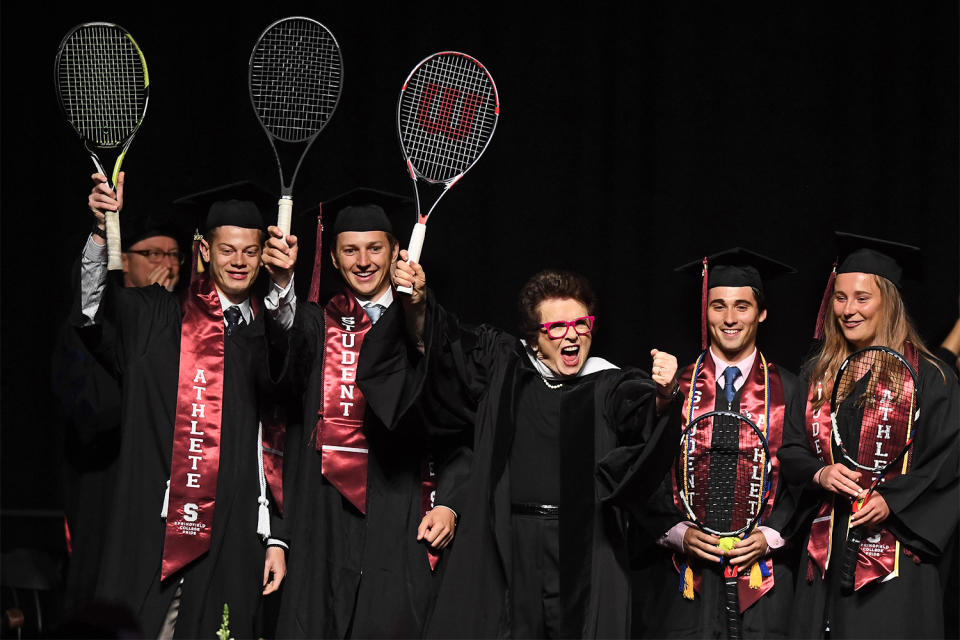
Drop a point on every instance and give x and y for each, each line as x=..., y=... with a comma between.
x=558, y=329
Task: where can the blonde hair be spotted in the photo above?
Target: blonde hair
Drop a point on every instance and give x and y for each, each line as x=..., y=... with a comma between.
x=893, y=330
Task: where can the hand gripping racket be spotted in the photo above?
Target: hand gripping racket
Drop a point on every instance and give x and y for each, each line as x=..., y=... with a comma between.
x=295, y=77
x=723, y=479
x=875, y=388
x=446, y=115
x=103, y=87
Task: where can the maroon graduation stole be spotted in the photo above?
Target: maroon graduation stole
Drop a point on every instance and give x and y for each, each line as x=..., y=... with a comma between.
x=340, y=437
x=274, y=421
x=195, y=460
x=428, y=494
x=880, y=553
x=761, y=400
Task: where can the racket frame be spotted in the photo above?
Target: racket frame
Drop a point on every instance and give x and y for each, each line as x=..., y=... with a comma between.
x=730, y=571
x=420, y=228
x=112, y=218
x=851, y=550
x=285, y=203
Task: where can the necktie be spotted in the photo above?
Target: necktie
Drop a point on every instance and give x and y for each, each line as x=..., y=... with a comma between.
x=729, y=375
x=234, y=318
x=374, y=311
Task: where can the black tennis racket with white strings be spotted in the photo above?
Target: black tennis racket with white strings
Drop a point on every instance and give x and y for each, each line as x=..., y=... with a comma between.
x=103, y=88
x=295, y=78
x=723, y=480
x=874, y=411
x=446, y=116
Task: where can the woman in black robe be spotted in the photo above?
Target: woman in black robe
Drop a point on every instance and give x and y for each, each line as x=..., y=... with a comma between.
x=562, y=444
x=911, y=516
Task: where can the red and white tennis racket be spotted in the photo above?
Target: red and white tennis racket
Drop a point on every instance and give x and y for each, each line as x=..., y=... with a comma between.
x=446, y=116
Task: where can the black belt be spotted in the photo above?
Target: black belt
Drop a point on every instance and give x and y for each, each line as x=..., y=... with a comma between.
x=532, y=509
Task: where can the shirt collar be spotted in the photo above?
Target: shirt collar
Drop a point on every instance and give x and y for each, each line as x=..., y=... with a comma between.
x=245, y=309
x=745, y=366
x=386, y=299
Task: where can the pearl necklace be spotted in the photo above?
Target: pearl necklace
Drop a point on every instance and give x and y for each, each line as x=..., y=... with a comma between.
x=552, y=386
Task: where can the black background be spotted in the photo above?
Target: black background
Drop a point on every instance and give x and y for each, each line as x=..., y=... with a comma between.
x=633, y=138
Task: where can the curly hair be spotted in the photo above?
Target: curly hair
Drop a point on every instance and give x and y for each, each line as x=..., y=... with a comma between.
x=546, y=285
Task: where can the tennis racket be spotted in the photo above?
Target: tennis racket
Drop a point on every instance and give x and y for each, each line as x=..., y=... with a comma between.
x=723, y=479
x=295, y=77
x=446, y=115
x=875, y=388
x=103, y=87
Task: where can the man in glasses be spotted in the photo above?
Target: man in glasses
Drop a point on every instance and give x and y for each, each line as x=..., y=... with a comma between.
x=564, y=443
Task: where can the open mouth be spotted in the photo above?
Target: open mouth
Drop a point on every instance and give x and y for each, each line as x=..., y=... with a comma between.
x=363, y=276
x=570, y=355
x=237, y=275
x=732, y=333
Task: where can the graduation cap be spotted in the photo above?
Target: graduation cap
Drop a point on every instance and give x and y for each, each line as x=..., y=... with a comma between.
x=359, y=209
x=140, y=227
x=736, y=267
x=864, y=254
x=239, y=204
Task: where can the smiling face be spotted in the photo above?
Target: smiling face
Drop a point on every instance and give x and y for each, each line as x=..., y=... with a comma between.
x=857, y=306
x=363, y=258
x=733, y=317
x=565, y=356
x=234, y=257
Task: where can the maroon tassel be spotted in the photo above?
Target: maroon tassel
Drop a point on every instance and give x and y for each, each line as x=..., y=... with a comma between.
x=703, y=308
x=196, y=264
x=317, y=259
x=822, y=314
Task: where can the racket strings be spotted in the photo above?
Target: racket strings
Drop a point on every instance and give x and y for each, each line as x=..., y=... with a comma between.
x=448, y=112
x=296, y=73
x=102, y=82
x=878, y=389
x=724, y=480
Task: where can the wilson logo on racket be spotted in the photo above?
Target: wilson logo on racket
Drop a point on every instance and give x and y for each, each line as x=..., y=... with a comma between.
x=448, y=101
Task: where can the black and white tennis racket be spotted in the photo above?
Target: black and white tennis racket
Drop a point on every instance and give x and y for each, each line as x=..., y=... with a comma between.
x=723, y=480
x=295, y=77
x=874, y=411
x=103, y=87
x=446, y=116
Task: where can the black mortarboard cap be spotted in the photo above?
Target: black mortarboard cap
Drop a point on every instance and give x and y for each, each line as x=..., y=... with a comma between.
x=140, y=227
x=240, y=204
x=863, y=254
x=736, y=267
x=359, y=209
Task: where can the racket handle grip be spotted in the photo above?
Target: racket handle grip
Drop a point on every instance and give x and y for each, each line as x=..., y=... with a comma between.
x=285, y=214
x=414, y=249
x=732, y=606
x=848, y=563
x=114, y=261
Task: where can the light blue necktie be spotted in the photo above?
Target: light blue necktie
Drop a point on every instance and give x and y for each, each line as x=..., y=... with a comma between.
x=374, y=311
x=729, y=375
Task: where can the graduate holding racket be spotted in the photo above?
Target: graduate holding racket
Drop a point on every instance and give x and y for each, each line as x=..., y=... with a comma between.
x=730, y=375
x=872, y=450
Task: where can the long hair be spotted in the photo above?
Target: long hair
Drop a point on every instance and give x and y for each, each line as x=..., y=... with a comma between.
x=895, y=328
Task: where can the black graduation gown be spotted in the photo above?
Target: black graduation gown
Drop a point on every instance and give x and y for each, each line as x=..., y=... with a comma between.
x=139, y=339
x=660, y=609
x=350, y=573
x=613, y=450
x=90, y=403
x=924, y=512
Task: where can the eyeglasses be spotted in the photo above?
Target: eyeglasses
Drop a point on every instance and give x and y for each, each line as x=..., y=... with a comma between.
x=156, y=256
x=559, y=329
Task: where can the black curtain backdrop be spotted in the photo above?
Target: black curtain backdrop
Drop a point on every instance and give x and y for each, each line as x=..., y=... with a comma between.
x=633, y=138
